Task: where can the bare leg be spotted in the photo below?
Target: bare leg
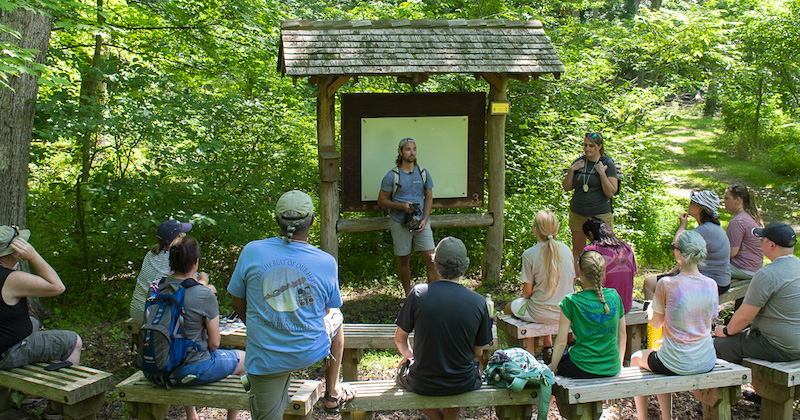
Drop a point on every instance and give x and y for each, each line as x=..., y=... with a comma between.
x=404, y=272
x=233, y=414
x=191, y=412
x=333, y=366
x=451, y=413
x=433, y=413
x=649, y=287
x=75, y=356
x=639, y=359
x=641, y=407
x=665, y=401
x=547, y=341
x=578, y=243
x=430, y=268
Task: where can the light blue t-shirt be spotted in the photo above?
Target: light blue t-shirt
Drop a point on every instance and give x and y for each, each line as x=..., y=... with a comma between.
x=410, y=188
x=287, y=287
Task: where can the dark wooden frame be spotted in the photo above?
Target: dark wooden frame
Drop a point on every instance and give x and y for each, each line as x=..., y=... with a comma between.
x=358, y=106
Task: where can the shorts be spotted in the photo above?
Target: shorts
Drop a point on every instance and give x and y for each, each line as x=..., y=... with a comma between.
x=40, y=346
x=576, y=221
x=656, y=366
x=750, y=343
x=739, y=274
x=405, y=241
x=269, y=395
x=566, y=367
x=333, y=322
x=221, y=364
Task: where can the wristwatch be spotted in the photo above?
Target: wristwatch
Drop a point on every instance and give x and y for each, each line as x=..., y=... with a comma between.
x=725, y=331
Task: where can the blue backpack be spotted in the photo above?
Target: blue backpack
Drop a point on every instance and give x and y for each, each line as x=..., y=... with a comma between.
x=162, y=345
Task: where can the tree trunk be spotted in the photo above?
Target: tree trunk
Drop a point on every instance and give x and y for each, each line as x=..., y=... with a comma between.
x=631, y=8
x=89, y=115
x=757, y=118
x=710, y=108
x=16, y=123
x=655, y=5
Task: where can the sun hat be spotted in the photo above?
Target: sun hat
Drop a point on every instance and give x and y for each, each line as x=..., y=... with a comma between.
x=708, y=200
x=169, y=230
x=7, y=234
x=780, y=233
x=295, y=200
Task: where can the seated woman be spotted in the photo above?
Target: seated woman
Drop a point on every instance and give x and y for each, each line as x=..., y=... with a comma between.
x=703, y=208
x=547, y=274
x=598, y=324
x=685, y=305
x=746, y=254
x=201, y=325
x=620, y=261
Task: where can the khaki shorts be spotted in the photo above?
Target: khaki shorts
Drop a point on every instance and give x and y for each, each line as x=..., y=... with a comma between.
x=40, y=346
x=576, y=221
x=269, y=395
x=406, y=241
x=333, y=322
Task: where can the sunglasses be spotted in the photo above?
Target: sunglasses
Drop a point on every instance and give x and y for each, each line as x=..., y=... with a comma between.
x=592, y=136
x=16, y=233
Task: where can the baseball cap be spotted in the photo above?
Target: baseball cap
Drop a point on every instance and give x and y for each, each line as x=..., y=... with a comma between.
x=780, y=233
x=7, y=234
x=169, y=230
x=450, y=248
x=404, y=141
x=297, y=201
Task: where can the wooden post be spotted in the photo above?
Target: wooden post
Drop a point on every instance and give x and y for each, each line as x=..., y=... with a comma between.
x=496, y=165
x=328, y=191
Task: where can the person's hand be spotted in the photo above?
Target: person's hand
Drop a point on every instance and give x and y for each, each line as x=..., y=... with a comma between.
x=600, y=167
x=22, y=249
x=403, y=360
x=407, y=207
x=684, y=220
x=202, y=278
x=580, y=163
x=421, y=225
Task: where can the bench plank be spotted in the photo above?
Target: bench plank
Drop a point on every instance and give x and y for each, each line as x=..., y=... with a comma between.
x=68, y=385
x=778, y=384
x=226, y=393
x=383, y=395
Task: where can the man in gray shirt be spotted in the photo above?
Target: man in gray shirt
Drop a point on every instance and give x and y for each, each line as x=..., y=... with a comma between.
x=407, y=191
x=770, y=306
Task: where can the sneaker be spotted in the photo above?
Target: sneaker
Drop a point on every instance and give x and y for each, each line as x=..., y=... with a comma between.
x=751, y=396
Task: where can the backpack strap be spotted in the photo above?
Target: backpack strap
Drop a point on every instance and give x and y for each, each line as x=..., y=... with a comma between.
x=423, y=173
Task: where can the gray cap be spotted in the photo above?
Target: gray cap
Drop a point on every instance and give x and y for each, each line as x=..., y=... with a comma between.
x=295, y=200
x=404, y=141
x=450, y=251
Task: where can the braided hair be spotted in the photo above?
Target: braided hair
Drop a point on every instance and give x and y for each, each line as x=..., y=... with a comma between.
x=593, y=269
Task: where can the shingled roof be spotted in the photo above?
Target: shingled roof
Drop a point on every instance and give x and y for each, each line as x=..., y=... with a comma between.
x=416, y=47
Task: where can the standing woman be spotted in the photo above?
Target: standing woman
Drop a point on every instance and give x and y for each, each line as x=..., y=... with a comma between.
x=200, y=324
x=547, y=274
x=703, y=208
x=620, y=261
x=598, y=324
x=593, y=178
x=746, y=254
x=685, y=305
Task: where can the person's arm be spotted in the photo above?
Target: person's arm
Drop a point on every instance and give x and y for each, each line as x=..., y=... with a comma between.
x=734, y=251
x=561, y=341
x=428, y=204
x=656, y=319
x=683, y=222
x=622, y=339
x=569, y=179
x=240, y=307
x=212, y=327
x=401, y=341
x=19, y=284
x=609, y=183
x=385, y=201
x=527, y=290
x=740, y=320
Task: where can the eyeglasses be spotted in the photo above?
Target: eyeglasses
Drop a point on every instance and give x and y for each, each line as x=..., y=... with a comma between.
x=673, y=246
x=16, y=233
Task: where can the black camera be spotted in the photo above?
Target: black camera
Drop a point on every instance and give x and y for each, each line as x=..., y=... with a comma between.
x=412, y=220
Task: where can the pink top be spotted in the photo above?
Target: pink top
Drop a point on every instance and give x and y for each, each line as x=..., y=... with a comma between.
x=750, y=256
x=620, y=269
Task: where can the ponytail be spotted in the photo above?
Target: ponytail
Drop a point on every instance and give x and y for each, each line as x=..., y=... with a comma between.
x=184, y=254
x=546, y=225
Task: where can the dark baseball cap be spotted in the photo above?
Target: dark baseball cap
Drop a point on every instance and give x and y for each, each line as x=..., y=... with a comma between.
x=169, y=230
x=780, y=233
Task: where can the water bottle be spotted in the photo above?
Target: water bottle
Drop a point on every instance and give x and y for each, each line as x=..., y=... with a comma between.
x=490, y=307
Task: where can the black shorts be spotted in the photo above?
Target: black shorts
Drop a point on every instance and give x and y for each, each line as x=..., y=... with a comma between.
x=567, y=368
x=656, y=366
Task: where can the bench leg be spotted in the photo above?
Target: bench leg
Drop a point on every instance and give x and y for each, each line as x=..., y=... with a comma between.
x=308, y=416
x=5, y=400
x=635, y=335
x=86, y=409
x=776, y=402
x=514, y=412
x=717, y=401
x=530, y=345
x=350, y=360
x=357, y=415
x=583, y=411
x=146, y=411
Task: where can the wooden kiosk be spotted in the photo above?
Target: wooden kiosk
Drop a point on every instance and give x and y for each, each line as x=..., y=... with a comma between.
x=330, y=53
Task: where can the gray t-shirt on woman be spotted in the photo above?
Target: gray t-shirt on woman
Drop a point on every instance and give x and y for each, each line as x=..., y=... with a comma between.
x=718, y=257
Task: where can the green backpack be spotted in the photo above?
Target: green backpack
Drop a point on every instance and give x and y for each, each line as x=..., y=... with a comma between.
x=515, y=368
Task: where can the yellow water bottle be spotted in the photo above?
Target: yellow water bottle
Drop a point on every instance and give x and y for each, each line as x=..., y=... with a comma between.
x=653, y=334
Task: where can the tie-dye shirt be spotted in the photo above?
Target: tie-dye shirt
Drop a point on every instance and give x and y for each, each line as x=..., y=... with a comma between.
x=689, y=302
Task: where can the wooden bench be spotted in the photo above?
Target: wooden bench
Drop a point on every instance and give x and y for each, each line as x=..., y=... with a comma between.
x=524, y=334
x=76, y=392
x=357, y=337
x=383, y=395
x=718, y=390
x=778, y=385
x=735, y=293
x=148, y=401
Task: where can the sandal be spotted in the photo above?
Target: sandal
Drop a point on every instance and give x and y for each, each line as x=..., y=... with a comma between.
x=346, y=394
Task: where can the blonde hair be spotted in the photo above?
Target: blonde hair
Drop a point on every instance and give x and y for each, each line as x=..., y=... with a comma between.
x=593, y=270
x=546, y=225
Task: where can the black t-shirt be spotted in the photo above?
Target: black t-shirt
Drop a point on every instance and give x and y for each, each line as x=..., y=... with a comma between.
x=593, y=201
x=448, y=321
x=15, y=324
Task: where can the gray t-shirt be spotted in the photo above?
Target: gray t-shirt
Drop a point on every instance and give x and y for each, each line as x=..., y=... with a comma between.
x=718, y=257
x=410, y=188
x=199, y=305
x=775, y=289
x=593, y=201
